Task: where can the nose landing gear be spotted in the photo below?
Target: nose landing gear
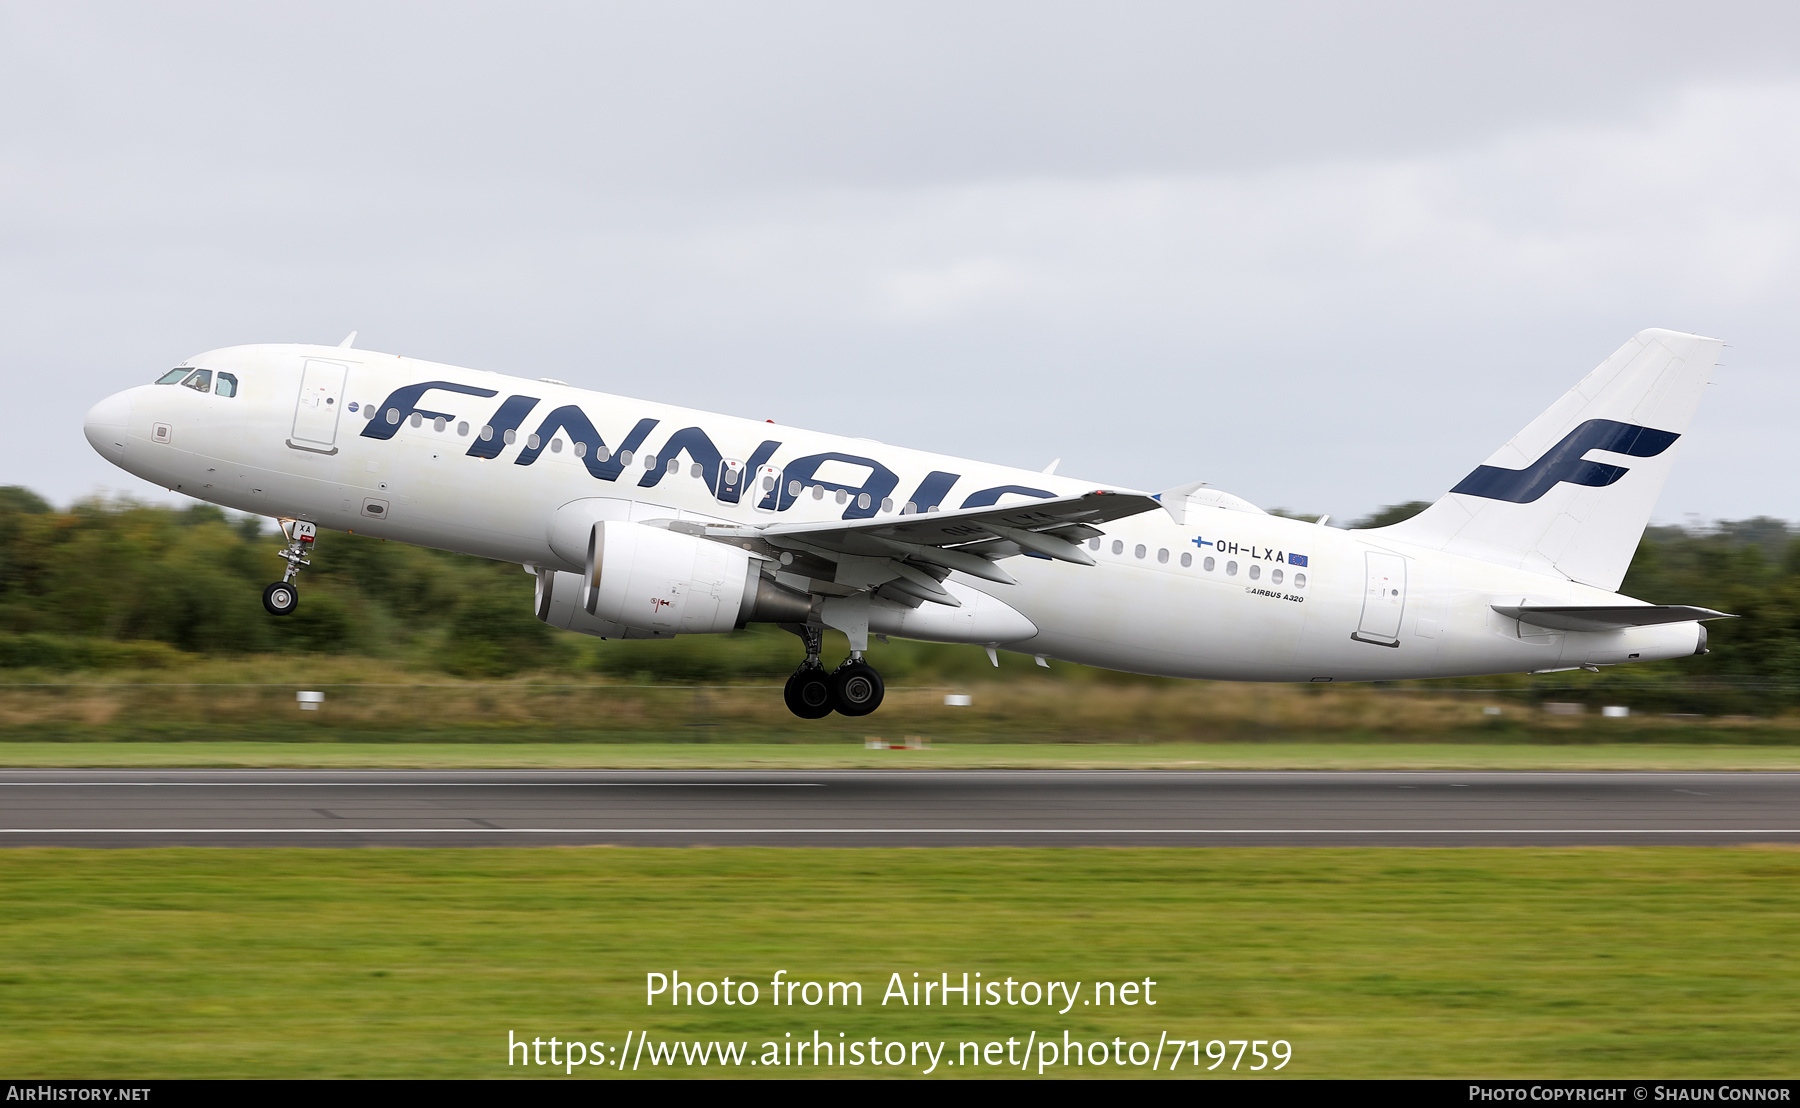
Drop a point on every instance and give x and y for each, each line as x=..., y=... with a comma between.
x=280, y=598
x=283, y=596
x=852, y=689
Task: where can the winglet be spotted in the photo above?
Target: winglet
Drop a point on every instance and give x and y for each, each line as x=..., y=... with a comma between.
x=349, y=341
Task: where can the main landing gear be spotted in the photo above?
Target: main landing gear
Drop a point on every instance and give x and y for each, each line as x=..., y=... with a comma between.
x=283, y=597
x=852, y=689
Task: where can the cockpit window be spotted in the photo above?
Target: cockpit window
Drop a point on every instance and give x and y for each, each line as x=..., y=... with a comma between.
x=200, y=380
x=173, y=376
x=226, y=386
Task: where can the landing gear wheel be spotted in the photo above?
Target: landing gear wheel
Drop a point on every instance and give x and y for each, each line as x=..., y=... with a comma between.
x=808, y=693
x=281, y=598
x=856, y=688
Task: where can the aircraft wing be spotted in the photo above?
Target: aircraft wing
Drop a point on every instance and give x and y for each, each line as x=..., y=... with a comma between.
x=910, y=555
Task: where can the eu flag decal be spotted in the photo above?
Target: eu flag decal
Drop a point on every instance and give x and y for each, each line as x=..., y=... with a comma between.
x=1296, y=559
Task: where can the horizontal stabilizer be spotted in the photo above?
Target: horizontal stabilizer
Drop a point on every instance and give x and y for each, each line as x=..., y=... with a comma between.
x=1605, y=617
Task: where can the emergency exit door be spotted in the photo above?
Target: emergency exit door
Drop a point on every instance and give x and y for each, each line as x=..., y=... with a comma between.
x=728, y=482
x=316, y=411
x=763, y=488
x=1384, y=599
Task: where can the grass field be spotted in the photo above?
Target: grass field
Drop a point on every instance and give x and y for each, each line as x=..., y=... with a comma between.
x=850, y=754
x=389, y=963
x=369, y=701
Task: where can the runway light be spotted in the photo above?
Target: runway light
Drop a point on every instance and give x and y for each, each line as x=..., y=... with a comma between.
x=958, y=700
x=1615, y=711
x=310, y=701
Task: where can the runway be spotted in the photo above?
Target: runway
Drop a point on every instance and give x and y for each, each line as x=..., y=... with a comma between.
x=849, y=808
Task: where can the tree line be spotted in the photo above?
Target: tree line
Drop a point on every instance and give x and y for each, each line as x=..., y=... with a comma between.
x=119, y=584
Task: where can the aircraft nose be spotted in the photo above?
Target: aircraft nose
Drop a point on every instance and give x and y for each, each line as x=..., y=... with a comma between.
x=106, y=426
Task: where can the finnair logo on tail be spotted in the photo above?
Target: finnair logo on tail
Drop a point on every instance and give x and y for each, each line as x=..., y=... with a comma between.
x=1564, y=462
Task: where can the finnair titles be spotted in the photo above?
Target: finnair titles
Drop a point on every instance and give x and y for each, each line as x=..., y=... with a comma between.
x=644, y=520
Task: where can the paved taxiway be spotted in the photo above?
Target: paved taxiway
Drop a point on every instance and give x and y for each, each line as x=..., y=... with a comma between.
x=889, y=808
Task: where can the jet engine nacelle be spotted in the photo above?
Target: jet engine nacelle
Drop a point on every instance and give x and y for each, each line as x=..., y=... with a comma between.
x=666, y=582
x=703, y=587
x=559, y=594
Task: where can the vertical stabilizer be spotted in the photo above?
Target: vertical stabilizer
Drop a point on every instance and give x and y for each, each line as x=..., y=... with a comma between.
x=1572, y=492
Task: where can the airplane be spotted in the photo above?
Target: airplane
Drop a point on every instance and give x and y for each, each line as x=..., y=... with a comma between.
x=642, y=520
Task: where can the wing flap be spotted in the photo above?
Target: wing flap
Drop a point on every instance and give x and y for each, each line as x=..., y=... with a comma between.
x=910, y=547
x=1049, y=521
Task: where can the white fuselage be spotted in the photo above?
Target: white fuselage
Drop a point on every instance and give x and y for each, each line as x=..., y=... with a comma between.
x=1226, y=593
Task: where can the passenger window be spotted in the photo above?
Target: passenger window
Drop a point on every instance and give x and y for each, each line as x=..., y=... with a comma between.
x=1187, y=560
x=439, y=424
x=887, y=503
x=1140, y=550
x=1094, y=543
x=227, y=385
x=510, y=437
x=1255, y=571
x=699, y=470
x=862, y=501
x=1118, y=547
x=1163, y=555
x=1275, y=576
x=173, y=376
x=487, y=432
x=1299, y=580
x=674, y=466
x=532, y=442
x=368, y=411
x=793, y=488
x=1231, y=569
x=1208, y=564
x=581, y=450
x=200, y=380
x=556, y=445
x=462, y=429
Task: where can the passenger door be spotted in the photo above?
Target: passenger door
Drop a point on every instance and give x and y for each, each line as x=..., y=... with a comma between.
x=1384, y=599
x=316, y=411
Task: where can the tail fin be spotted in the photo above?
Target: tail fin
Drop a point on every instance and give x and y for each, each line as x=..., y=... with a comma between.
x=1539, y=503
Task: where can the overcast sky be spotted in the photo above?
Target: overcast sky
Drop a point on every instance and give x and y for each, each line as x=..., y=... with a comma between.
x=1324, y=256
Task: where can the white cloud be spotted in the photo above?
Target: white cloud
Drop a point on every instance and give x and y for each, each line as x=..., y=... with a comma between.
x=1326, y=335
